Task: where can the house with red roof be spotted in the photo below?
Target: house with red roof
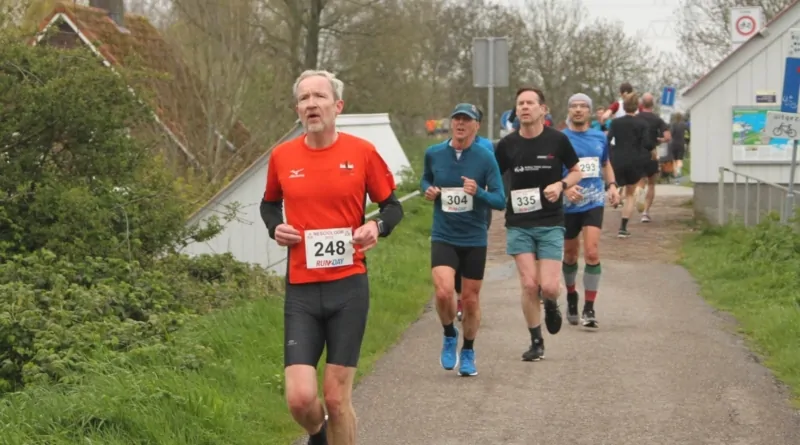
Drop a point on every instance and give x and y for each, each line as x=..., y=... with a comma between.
x=175, y=95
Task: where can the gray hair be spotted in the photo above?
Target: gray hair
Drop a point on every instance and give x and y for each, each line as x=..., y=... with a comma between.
x=336, y=85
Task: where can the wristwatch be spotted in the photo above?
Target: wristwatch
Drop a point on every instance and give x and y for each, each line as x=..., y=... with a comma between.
x=381, y=226
x=608, y=186
x=563, y=185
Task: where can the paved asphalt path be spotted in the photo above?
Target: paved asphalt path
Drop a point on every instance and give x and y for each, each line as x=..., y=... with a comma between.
x=664, y=368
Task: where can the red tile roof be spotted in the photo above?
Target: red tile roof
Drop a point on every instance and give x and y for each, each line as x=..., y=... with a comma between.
x=172, y=91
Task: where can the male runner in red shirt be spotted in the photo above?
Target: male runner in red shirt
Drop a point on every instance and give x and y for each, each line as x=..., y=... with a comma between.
x=322, y=178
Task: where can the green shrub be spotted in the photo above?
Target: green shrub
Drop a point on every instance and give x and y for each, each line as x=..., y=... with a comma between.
x=55, y=312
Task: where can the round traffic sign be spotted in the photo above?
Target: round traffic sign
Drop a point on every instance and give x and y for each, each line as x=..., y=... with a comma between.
x=745, y=25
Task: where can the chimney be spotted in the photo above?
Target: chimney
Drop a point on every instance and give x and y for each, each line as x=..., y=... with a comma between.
x=115, y=8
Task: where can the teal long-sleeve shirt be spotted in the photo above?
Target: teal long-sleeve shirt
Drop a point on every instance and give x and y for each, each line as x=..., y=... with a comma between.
x=445, y=169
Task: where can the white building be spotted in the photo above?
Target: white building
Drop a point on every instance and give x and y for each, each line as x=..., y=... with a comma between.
x=246, y=237
x=726, y=118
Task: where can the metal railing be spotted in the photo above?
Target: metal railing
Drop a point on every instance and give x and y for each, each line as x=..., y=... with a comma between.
x=749, y=199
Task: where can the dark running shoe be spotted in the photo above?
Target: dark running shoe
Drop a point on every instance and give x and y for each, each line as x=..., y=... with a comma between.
x=535, y=352
x=588, y=319
x=552, y=316
x=572, y=308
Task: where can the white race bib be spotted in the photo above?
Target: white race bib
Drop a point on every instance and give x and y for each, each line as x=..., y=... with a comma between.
x=329, y=248
x=590, y=167
x=456, y=200
x=526, y=200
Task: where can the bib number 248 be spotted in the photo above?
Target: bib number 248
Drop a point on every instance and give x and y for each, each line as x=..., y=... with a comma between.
x=329, y=248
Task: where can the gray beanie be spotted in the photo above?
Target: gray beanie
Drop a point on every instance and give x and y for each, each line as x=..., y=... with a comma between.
x=580, y=97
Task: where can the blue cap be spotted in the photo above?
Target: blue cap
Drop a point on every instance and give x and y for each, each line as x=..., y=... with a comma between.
x=468, y=110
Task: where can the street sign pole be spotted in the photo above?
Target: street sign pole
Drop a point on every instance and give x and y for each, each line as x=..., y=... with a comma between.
x=790, y=192
x=490, y=70
x=789, y=98
x=490, y=128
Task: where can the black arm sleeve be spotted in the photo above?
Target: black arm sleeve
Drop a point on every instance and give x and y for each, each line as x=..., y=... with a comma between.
x=272, y=214
x=391, y=211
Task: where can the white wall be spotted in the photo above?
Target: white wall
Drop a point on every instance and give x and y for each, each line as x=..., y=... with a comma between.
x=712, y=135
x=246, y=237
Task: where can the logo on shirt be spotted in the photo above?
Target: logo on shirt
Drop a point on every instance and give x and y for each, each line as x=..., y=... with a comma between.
x=297, y=173
x=346, y=165
x=549, y=156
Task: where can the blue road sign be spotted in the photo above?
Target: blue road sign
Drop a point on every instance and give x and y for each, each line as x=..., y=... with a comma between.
x=504, y=119
x=668, y=97
x=791, y=85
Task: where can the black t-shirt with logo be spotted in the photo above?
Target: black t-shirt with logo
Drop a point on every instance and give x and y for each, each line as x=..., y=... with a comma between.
x=532, y=164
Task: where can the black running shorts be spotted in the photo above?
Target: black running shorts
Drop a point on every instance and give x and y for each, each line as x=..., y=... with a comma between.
x=650, y=168
x=469, y=261
x=677, y=152
x=575, y=222
x=627, y=171
x=332, y=313
x=458, y=271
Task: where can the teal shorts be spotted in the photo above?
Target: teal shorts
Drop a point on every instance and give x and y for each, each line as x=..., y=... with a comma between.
x=547, y=243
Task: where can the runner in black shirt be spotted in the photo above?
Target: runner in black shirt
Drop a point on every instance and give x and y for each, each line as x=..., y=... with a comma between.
x=629, y=155
x=658, y=134
x=535, y=158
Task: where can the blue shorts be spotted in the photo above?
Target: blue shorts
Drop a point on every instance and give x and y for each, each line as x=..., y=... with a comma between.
x=547, y=243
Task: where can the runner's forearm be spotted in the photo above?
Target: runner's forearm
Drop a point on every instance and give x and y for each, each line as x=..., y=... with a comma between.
x=272, y=215
x=426, y=181
x=573, y=177
x=391, y=213
x=495, y=194
x=496, y=198
x=608, y=173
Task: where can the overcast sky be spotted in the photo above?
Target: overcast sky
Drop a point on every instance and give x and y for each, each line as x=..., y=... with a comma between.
x=651, y=19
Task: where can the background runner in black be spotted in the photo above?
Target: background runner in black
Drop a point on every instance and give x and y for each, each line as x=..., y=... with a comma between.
x=677, y=147
x=630, y=155
x=658, y=134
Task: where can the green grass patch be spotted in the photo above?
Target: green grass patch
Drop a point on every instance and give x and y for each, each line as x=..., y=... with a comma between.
x=752, y=273
x=233, y=394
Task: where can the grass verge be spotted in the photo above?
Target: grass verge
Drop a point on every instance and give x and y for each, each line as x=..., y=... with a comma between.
x=752, y=274
x=234, y=397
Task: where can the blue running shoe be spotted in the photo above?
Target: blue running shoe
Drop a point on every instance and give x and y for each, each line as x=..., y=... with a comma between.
x=467, y=359
x=449, y=357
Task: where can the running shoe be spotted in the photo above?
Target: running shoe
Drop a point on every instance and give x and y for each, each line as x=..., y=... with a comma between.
x=623, y=233
x=467, y=359
x=552, y=316
x=449, y=357
x=572, y=308
x=535, y=352
x=646, y=218
x=588, y=319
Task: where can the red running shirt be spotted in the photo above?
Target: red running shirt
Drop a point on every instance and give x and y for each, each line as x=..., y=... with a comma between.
x=324, y=193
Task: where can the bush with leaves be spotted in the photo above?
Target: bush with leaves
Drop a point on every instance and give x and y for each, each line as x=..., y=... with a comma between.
x=90, y=222
x=72, y=180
